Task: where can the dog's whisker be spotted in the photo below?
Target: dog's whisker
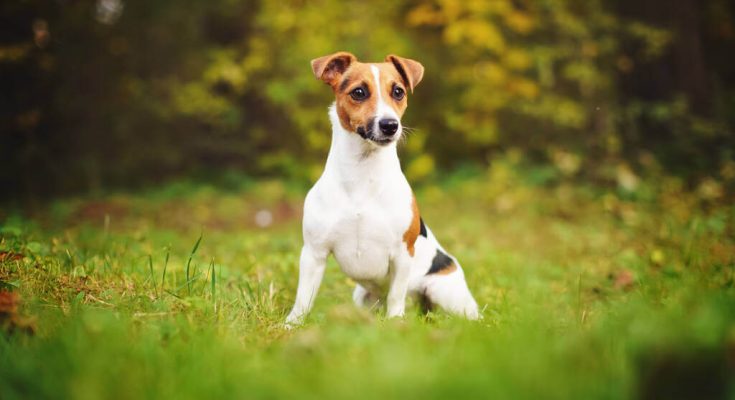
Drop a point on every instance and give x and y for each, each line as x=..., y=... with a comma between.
x=407, y=131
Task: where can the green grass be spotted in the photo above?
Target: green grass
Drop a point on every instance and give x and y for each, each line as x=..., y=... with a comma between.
x=177, y=293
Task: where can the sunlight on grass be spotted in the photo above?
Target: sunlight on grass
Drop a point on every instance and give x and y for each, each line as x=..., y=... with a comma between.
x=587, y=293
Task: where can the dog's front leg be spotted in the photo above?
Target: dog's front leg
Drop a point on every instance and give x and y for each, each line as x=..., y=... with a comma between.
x=311, y=271
x=400, y=272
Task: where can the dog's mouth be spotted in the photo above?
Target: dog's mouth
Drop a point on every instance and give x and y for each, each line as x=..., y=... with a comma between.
x=382, y=142
x=368, y=133
x=369, y=136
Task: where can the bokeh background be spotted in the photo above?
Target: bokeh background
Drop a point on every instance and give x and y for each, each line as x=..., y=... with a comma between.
x=577, y=157
x=109, y=94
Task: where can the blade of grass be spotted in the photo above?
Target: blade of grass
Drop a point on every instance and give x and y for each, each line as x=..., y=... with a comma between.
x=188, y=263
x=153, y=278
x=214, y=280
x=69, y=259
x=189, y=282
x=172, y=294
x=165, y=264
x=206, y=279
x=108, y=266
x=251, y=293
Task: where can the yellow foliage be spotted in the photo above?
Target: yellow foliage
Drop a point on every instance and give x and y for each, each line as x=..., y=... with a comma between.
x=519, y=21
x=420, y=168
x=195, y=99
x=14, y=53
x=525, y=88
x=568, y=163
x=490, y=73
x=475, y=32
x=224, y=68
x=516, y=59
x=655, y=39
x=425, y=14
x=484, y=131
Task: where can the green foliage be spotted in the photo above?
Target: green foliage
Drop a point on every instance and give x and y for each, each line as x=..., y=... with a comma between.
x=169, y=89
x=586, y=293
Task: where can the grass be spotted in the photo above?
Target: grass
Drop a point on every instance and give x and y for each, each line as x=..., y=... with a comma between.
x=178, y=293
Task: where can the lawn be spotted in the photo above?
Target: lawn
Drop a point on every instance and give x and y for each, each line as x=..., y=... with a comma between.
x=588, y=291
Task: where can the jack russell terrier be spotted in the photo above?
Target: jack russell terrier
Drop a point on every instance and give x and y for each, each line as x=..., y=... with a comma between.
x=362, y=208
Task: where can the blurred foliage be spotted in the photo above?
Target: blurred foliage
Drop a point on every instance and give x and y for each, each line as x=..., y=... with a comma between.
x=109, y=93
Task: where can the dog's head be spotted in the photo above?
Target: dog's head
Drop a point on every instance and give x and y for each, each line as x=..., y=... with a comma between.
x=370, y=97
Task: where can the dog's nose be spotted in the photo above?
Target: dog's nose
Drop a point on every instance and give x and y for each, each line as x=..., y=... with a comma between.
x=388, y=126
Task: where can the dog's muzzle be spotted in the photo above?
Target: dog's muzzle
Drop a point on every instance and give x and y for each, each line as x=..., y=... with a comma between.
x=385, y=132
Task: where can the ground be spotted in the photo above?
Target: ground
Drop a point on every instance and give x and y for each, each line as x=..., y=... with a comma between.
x=587, y=291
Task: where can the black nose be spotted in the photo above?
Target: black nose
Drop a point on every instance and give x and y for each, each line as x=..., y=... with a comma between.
x=388, y=126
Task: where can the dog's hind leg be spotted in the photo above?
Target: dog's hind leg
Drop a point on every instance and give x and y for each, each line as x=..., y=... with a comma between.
x=450, y=293
x=364, y=298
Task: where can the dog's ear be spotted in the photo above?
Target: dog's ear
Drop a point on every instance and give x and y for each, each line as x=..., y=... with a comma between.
x=411, y=71
x=330, y=68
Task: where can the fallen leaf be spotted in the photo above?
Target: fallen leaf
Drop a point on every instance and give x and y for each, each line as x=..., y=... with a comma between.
x=10, y=256
x=624, y=280
x=10, y=320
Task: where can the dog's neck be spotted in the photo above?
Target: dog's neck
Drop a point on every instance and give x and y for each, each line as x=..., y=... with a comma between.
x=355, y=161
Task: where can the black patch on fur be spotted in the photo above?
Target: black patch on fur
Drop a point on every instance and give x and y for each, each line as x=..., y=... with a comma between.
x=370, y=125
x=361, y=132
x=425, y=304
x=366, y=131
x=402, y=72
x=422, y=232
x=440, y=262
x=344, y=84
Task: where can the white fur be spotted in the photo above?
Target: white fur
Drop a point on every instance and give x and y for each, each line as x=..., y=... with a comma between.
x=383, y=110
x=358, y=211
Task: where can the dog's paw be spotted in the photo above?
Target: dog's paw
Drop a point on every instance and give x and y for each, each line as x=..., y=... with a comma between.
x=292, y=322
x=472, y=313
x=289, y=327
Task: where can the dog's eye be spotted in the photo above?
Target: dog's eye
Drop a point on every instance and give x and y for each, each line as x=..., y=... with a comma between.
x=398, y=92
x=359, y=94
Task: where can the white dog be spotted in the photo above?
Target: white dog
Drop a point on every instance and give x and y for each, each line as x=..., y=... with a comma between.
x=362, y=208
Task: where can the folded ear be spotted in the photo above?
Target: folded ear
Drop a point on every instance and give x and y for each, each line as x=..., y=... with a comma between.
x=411, y=71
x=330, y=68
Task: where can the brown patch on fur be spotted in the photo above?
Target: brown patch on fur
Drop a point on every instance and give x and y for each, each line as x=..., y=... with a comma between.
x=412, y=233
x=446, y=270
x=344, y=73
x=411, y=71
x=389, y=77
x=330, y=68
x=352, y=113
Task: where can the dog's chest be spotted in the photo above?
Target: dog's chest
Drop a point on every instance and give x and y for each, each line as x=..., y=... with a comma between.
x=366, y=228
x=369, y=233
x=363, y=241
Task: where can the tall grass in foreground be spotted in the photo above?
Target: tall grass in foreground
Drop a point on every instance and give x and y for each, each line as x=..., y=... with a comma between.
x=588, y=293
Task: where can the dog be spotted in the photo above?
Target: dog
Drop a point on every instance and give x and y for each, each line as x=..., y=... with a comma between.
x=362, y=209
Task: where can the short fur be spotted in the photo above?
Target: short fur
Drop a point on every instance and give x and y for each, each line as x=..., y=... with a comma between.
x=362, y=209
